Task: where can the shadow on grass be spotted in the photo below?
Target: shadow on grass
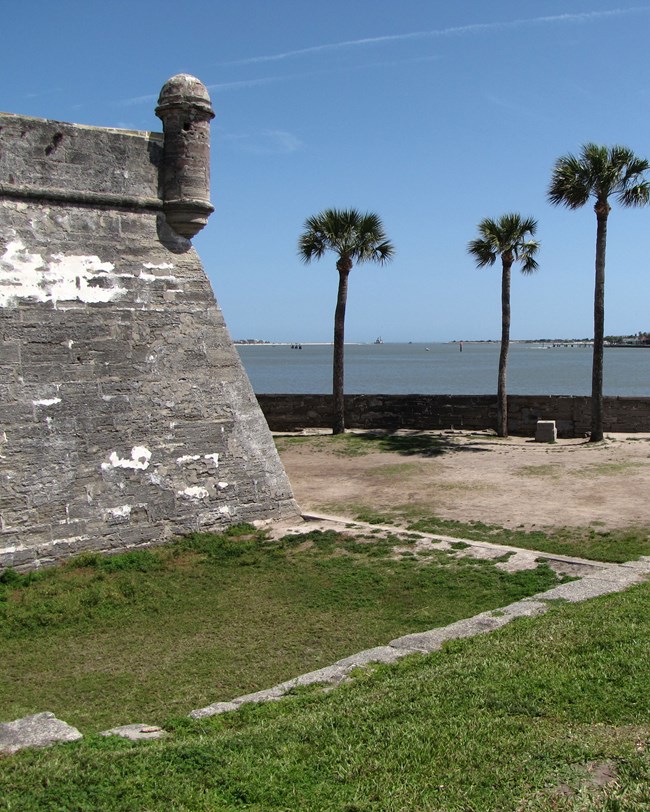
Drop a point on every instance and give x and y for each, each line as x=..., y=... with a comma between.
x=417, y=444
x=358, y=443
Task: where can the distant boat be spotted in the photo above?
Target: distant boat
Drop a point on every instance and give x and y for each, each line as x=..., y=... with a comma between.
x=379, y=340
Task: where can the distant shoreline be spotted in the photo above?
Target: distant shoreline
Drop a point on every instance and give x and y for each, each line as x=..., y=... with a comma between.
x=558, y=341
x=551, y=342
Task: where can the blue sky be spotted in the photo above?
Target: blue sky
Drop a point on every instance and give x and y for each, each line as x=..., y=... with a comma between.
x=432, y=114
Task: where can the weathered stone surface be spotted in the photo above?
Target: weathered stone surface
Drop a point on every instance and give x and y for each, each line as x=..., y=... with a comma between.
x=379, y=654
x=433, y=640
x=266, y=695
x=592, y=587
x=642, y=565
x=525, y=608
x=545, y=431
x=126, y=415
x=572, y=414
x=213, y=710
x=136, y=732
x=185, y=109
x=39, y=730
x=329, y=674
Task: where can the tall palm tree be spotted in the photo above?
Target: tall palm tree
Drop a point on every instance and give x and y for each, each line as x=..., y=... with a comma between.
x=599, y=172
x=355, y=237
x=508, y=238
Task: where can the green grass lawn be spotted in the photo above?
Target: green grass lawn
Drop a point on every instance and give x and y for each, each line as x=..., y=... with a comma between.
x=548, y=714
x=141, y=636
x=522, y=720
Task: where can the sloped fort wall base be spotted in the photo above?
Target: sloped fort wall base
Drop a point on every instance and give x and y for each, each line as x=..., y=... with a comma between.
x=126, y=416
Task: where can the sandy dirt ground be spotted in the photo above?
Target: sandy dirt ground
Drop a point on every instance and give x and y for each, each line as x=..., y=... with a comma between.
x=513, y=482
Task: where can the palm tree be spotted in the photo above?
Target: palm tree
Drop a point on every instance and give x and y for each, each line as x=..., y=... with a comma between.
x=355, y=237
x=508, y=238
x=599, y=172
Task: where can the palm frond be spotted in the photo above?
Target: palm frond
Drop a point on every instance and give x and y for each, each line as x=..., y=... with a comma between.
x=347, y=232
x=482, y=251
x=570, y=183
x=638, y=195
x=600, y=172
x=311, y=246
x=382, y=253
x=527, y=257
x=505, y=236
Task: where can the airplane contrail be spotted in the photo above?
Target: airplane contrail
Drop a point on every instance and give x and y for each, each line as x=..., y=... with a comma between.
x=474, y=28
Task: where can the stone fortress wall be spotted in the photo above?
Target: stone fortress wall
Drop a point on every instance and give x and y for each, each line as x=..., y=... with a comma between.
x=572, y=414
x=125, y=414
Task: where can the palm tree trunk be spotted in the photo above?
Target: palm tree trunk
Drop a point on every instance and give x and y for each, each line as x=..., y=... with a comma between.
x=602, y=212
x=502, y=397
x=338, y=425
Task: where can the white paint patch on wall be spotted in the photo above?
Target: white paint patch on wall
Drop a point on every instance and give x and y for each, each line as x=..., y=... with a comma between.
x=119, y=512
x=187, y=458
x=194, y=492
x=24, y=275
x=213, y=457
x=46, y=401
x=152, y=277
x=139, y=461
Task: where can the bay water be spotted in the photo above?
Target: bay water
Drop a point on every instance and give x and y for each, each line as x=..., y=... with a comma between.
x=533, y=369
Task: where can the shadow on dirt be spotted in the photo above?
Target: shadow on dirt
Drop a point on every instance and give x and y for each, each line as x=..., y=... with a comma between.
x=417, y=444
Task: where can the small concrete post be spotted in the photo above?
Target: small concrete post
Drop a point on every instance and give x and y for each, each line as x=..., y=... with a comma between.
x=185, y=110
x=545, y=431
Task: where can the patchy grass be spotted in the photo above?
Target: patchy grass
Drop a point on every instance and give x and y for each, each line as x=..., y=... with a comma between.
x=142, y=635
x=610, y=469
x=354, y=444
x=616, y=546
x=550, y=470
x=555, y=470
x=599, y=545
x=530, y=718
x=400, y=469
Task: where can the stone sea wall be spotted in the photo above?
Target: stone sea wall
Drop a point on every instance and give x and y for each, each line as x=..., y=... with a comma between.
x=125, y=414
x=472, y=412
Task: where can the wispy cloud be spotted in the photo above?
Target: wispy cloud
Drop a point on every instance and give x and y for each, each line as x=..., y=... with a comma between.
x=148, y=99
x=221, y=86
x=265, y=142
x=519, y=110
x=224, y=87
x=40, y=93
x=454, y=31
x=439, y=33
x=267, y=80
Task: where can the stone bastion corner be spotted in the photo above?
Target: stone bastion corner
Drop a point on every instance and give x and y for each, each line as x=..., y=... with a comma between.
x=126, y=416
